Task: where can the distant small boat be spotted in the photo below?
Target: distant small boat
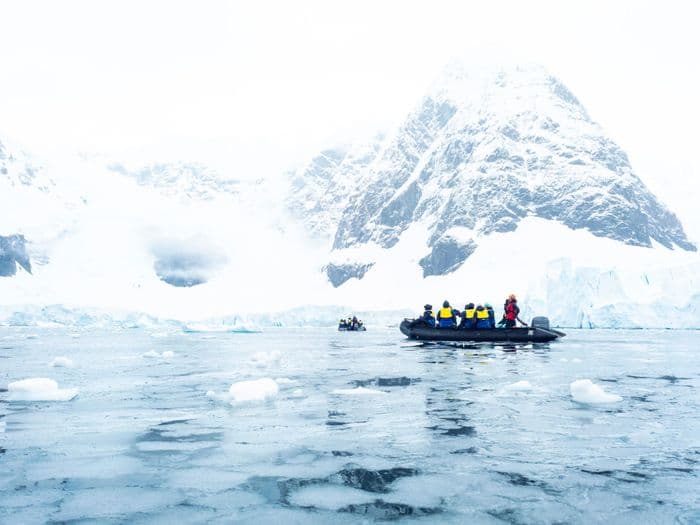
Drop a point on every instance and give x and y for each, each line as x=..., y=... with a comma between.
x=538, y=332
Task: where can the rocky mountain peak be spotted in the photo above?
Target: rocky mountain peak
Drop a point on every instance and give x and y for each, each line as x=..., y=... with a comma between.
x=482, y=150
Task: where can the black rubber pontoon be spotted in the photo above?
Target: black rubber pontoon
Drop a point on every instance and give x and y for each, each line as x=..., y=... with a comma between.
x=533, y=334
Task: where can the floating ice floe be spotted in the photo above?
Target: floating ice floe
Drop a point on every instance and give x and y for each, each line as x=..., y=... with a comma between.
x=39, y=389
x=263, y=359
x=75, y=335
x=586, y=391
x=285, y=382
x=243, y=392
x=62, y=361
x=359, y=391
x=519, y=386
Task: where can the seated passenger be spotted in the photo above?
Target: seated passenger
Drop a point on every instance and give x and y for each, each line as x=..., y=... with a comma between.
x=349, y=323
x=428, y=317
x=492, y=315
x=482, y=318
x=468, y=317
x=447, y=316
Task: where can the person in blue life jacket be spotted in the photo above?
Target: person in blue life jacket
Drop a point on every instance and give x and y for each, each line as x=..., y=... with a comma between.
x=447, y=316
x=428, y=317
x=482, y=318
x=492, y=315
x=342, y=325
x=468, y=317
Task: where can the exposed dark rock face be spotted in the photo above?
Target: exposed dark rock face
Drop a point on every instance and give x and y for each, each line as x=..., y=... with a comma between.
x=340, y=273
x=447, y=255
x=12, y=253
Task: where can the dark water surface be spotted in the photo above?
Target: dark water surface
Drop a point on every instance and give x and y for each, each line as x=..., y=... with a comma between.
x=366, y=426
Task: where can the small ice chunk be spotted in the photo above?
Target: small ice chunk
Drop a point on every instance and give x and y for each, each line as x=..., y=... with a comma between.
x=519, y=386
x=297, y=394
x=168, y=354
x=75, y=335
x=285, y=382
x=258, y=390
x=263, y=359
x=586, y=391
x=359, y=391
x=31, y=336
x=2, y=427
x=39, y=389
x=253, y=391
x=216, y=396
x=62, y=361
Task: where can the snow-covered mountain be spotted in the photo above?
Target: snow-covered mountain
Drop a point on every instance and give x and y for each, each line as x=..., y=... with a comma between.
x=181, y=179
x=482, y=151
x=497, y=182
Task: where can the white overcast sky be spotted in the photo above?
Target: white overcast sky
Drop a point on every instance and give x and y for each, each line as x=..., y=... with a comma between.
x=268, y=83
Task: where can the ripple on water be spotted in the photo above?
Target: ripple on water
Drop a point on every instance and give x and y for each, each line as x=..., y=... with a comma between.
x=386, y=381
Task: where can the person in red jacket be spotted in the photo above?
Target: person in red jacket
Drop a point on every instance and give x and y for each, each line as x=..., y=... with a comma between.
x=511, y=312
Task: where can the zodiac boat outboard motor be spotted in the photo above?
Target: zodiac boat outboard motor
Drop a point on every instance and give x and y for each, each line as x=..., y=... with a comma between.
x=540, y=322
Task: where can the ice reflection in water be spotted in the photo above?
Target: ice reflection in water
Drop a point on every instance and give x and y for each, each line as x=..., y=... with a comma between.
x=365, y=426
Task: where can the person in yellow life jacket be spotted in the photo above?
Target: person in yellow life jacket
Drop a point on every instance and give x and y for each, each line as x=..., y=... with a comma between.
x=447, y=316
x=482, y=318
x=468, y=317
